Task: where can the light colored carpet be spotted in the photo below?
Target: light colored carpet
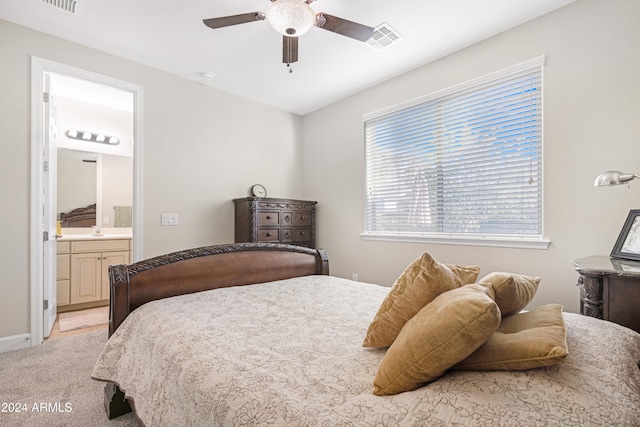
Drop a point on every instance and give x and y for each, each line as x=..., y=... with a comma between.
x=83, y=318
x=58, y=375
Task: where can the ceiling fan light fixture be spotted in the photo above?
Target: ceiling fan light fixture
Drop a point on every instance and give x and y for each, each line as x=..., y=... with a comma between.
x=291, y=17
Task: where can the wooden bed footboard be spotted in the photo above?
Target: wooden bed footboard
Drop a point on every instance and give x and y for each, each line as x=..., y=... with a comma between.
x=206, y=268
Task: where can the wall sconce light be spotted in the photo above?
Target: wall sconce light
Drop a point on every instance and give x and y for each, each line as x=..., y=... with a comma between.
x=93, y=137
x=614, y=178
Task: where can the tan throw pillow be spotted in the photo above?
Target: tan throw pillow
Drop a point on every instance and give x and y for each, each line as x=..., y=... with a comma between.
x=528, y=340
x=422, y=281
x=513, y=291
x=444, y=332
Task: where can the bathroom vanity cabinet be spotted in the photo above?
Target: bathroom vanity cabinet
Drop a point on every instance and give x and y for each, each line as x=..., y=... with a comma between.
x=82, y=270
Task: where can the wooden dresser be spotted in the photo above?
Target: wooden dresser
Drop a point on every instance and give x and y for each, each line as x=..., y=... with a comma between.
x=610, y=289
x=275, y=220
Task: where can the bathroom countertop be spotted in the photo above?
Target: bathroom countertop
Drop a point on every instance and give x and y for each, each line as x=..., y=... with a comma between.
x=72, y=237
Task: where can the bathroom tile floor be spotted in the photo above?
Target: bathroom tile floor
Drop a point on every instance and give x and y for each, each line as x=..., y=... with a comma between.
x=55, y=331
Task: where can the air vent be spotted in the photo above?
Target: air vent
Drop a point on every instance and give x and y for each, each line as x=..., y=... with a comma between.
x=70, y=6
x=383, y=36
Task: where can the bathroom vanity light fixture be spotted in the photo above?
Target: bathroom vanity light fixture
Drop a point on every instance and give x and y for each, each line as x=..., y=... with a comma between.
x=614, y=178
x=93, y=137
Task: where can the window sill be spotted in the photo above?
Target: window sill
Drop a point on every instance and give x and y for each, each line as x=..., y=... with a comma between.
x=464, y=240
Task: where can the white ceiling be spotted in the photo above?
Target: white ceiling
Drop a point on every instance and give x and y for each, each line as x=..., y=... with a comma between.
x=246, y=59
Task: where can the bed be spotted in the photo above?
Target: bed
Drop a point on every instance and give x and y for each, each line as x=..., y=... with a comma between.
x=192, y=344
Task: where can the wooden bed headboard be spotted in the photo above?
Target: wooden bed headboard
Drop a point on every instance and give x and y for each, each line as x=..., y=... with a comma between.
x=79, y=217
x=206, y=268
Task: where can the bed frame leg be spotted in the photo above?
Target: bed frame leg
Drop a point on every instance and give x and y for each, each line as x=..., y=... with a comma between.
x=114, y=401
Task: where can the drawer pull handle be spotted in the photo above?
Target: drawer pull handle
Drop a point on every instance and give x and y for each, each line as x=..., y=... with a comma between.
x=302, y=233
x=268, y=216
x=269, y=234
x=302, y=217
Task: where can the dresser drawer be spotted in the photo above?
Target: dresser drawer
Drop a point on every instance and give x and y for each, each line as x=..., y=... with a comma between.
x=287, y=219
x=269, y=218
x=302, y=219
x=301, y=234
x=286, y=235
x=269, y=235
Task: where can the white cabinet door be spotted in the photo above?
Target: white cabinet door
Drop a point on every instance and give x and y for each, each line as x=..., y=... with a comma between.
x=111, y=258
x=86, y=277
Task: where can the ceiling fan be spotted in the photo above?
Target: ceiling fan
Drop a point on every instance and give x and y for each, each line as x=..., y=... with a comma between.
x=293, y=18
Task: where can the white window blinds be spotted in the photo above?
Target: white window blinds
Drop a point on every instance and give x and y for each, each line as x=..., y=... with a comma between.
x=464, y=161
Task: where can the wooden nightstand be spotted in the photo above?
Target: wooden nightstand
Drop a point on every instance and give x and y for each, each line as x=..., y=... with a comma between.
x=610, y=289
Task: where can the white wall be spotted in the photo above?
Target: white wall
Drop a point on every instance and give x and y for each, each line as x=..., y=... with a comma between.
x=591, y=111
x=202, y=148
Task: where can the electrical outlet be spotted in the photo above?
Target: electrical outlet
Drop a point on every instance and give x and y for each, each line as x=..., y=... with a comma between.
x=105, y=220
x=168, y=219
x=354, y=276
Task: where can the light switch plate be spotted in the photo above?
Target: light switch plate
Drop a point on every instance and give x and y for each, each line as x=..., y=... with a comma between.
x=168, y=219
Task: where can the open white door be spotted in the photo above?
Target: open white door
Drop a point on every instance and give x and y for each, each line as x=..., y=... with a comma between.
x=43, y=285
x=50, y=178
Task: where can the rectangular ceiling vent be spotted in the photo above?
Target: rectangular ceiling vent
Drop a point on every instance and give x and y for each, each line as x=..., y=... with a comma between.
x=70, y=6
x=383, y=36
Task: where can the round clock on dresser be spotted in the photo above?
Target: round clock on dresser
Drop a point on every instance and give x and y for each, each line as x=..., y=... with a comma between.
x=258, y=190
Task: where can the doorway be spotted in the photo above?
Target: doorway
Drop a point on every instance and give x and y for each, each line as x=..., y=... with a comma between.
x=44, y=162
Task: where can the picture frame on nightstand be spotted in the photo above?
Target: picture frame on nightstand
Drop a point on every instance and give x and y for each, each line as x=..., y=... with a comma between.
x=628, y=244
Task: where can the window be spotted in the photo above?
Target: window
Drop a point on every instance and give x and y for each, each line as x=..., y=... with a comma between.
x=465, y=162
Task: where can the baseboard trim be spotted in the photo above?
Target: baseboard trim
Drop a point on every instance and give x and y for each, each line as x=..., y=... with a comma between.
x=15, y=342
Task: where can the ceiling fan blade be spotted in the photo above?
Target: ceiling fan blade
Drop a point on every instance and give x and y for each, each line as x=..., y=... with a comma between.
x=227, y=21
x=344, y=27
x=289, y=49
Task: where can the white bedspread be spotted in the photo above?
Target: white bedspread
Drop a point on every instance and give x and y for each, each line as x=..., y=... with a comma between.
x=289, y=353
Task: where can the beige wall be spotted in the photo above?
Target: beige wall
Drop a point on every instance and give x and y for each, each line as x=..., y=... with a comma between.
x=591, y=124
x=202, y=148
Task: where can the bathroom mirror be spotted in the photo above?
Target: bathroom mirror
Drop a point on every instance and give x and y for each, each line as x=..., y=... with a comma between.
x=97, y=188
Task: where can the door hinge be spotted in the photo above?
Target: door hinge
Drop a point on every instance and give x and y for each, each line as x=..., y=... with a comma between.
x=46, y=97
x=45, y=236
x=46, y=304
x=45, y=166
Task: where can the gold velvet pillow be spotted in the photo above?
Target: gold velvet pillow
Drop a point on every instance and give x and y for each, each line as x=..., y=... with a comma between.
x=422, y=281
x=444, y=332
x=513, y=291
x=528, y=340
